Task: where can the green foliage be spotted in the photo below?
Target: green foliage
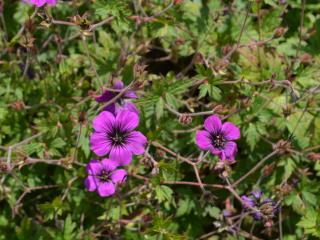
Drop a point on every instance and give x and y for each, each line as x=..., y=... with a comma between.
x=310, y=222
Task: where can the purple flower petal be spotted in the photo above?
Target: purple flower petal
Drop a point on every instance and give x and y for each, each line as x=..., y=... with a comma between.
x=91, y=183
x=103, y=122
x=111, y=108
x=109, y=164
x=215, y=151
x=257, y=194
x=248, y=202
x=119, y=176
x=212, y=124
x=230, y=151
x=128, y=106
x=105, y=96
x=51, y=2
x=40, y=3
x=131, y=107
x=230, y=131
x=257, y=215
x=127, y=121
x=227, y=213
x=135, y=142
x=106, y=189
x=203, y=140
x=121, y=154
x=130, y=94
x=94, y=167
x=100, y=144
x=118, y=85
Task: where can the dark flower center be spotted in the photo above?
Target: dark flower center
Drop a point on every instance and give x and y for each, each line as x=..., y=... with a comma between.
x=218, y=141
x=104, y=176
x=120, y=101
x=118, y=136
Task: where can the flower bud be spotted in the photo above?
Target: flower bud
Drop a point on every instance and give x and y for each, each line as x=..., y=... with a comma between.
x=4, y=167
x=82, y=117
x=282, y=146
x=269, y=224
x=268, y=170
x=314, y=156
x=179, y=41
x=279, y=32
x=226, y=49
x=286, y=110
x=155, y=170
x=185, y=119
x=282, y=2
x=18, y=105
x=306, y=58
x=177, y=2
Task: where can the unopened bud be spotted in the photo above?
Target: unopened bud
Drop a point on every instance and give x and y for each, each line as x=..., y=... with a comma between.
x=82, y=117
x=286, y=110
x=282, y=146
x=155, y=171
x=177, y=2
x=221, y=64
x=269, y=224
x=4, y=167
x=279, y=32
x=282, y=2
x=268, y=170
x=18, y=105
x=286, y=189
x=226, y=49
x=314, y=156
x=185, y=119
x=160, y=153
x=306, y=58
x=179, y=41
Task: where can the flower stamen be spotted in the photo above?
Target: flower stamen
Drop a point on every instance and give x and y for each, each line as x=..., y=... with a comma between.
x=104, y=176
x=218, y=140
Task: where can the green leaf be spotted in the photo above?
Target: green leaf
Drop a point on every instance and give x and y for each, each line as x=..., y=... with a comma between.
x=213, y=212
x=127, y=74
x=159, y=108
x=185, y=206
x=68, y=228
x=252, y=135
x=214, y=92
x=32, y=148
x=310, y=222
x=204, y=89
x=57, y=143
x=163, y=193
x=310, y=198
x=179, y=86
x=171, y=100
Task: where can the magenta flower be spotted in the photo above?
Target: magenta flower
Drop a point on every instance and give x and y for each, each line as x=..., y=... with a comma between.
x=104, y=176
x=218, y=138
x=115, y=135
x=122, y=103
x=40, y=3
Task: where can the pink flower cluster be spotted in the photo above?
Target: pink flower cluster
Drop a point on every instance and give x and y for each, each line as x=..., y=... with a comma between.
x=40, y=3
x=114, y=135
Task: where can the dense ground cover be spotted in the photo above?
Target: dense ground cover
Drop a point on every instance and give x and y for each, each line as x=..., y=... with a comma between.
x=159, y=119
